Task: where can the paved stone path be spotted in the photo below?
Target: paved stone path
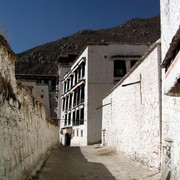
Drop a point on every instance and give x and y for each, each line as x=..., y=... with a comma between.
x=92, y=163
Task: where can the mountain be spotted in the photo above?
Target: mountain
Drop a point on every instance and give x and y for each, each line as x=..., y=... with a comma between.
x=43, y=59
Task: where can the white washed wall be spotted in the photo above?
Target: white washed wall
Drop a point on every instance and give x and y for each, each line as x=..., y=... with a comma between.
x=132, y=120
x=100, y=80
x=25, y=134
x=7, y=66
x=171, y=132
x=37, y=91
x=170, y=22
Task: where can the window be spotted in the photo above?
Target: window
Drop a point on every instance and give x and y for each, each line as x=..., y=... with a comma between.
x=53, y=85
x=45, y=81
x=83, y=70
x=42, y=96
x=78, y=95
x=70, y=101
x=76, y=77
x=74, y=116
x=67, y=84
x=77, y=118
x=71, y=81
x=67, y=100
x=82, y=93
x=69, y=119
x=133, y=62
x=74, y=102
x=65, y=121
x=82, y=116
x=119, y=68
x=77, y=132
x=63, y=102
x=64, y=87
x=79, y=73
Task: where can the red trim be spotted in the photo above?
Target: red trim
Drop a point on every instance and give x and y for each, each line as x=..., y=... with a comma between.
x=173, y=64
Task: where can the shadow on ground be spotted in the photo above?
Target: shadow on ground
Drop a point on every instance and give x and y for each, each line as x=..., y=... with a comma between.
x=68, y=163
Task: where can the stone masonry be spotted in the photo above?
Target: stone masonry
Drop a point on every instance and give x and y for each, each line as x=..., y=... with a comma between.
x=26, y=134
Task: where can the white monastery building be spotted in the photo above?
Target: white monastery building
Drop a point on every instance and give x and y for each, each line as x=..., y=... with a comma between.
x=88, y=80
x=141, y=113
x=64, y=65
x=42, y=87
x=170, y=39
x=131, y=111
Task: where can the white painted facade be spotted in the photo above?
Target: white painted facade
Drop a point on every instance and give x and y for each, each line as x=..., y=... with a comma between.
x=43, y=88
x=150, y=133
x=131, y=112
x=64, y=64
x=170, y=22
x=99, y=77
x=61, y=72
x=41, y=92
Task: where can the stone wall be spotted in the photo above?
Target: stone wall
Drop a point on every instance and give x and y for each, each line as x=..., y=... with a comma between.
x=26, y=134
x=131, y=112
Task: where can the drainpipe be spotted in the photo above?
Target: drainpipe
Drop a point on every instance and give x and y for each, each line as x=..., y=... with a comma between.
x=160, y=97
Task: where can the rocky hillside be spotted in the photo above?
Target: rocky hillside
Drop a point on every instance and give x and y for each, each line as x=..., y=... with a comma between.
x=43, y=59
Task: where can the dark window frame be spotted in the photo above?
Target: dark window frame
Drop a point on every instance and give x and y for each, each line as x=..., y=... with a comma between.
x=119, y=68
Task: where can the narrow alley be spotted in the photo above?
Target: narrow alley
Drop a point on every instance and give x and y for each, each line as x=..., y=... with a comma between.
x=91, y=162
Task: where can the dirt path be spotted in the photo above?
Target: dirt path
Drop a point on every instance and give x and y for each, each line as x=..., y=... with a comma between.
x=92, y=163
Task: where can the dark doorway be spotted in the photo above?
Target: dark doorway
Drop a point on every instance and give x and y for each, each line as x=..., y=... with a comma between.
x=67, y=139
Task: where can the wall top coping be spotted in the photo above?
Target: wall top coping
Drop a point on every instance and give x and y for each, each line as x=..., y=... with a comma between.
x=5, y=44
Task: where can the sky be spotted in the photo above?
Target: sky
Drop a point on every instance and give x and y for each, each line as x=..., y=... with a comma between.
x=29, y=23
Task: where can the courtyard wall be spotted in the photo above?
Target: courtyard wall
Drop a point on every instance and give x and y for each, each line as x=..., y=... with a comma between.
x=26, y=135
x=131, y=112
